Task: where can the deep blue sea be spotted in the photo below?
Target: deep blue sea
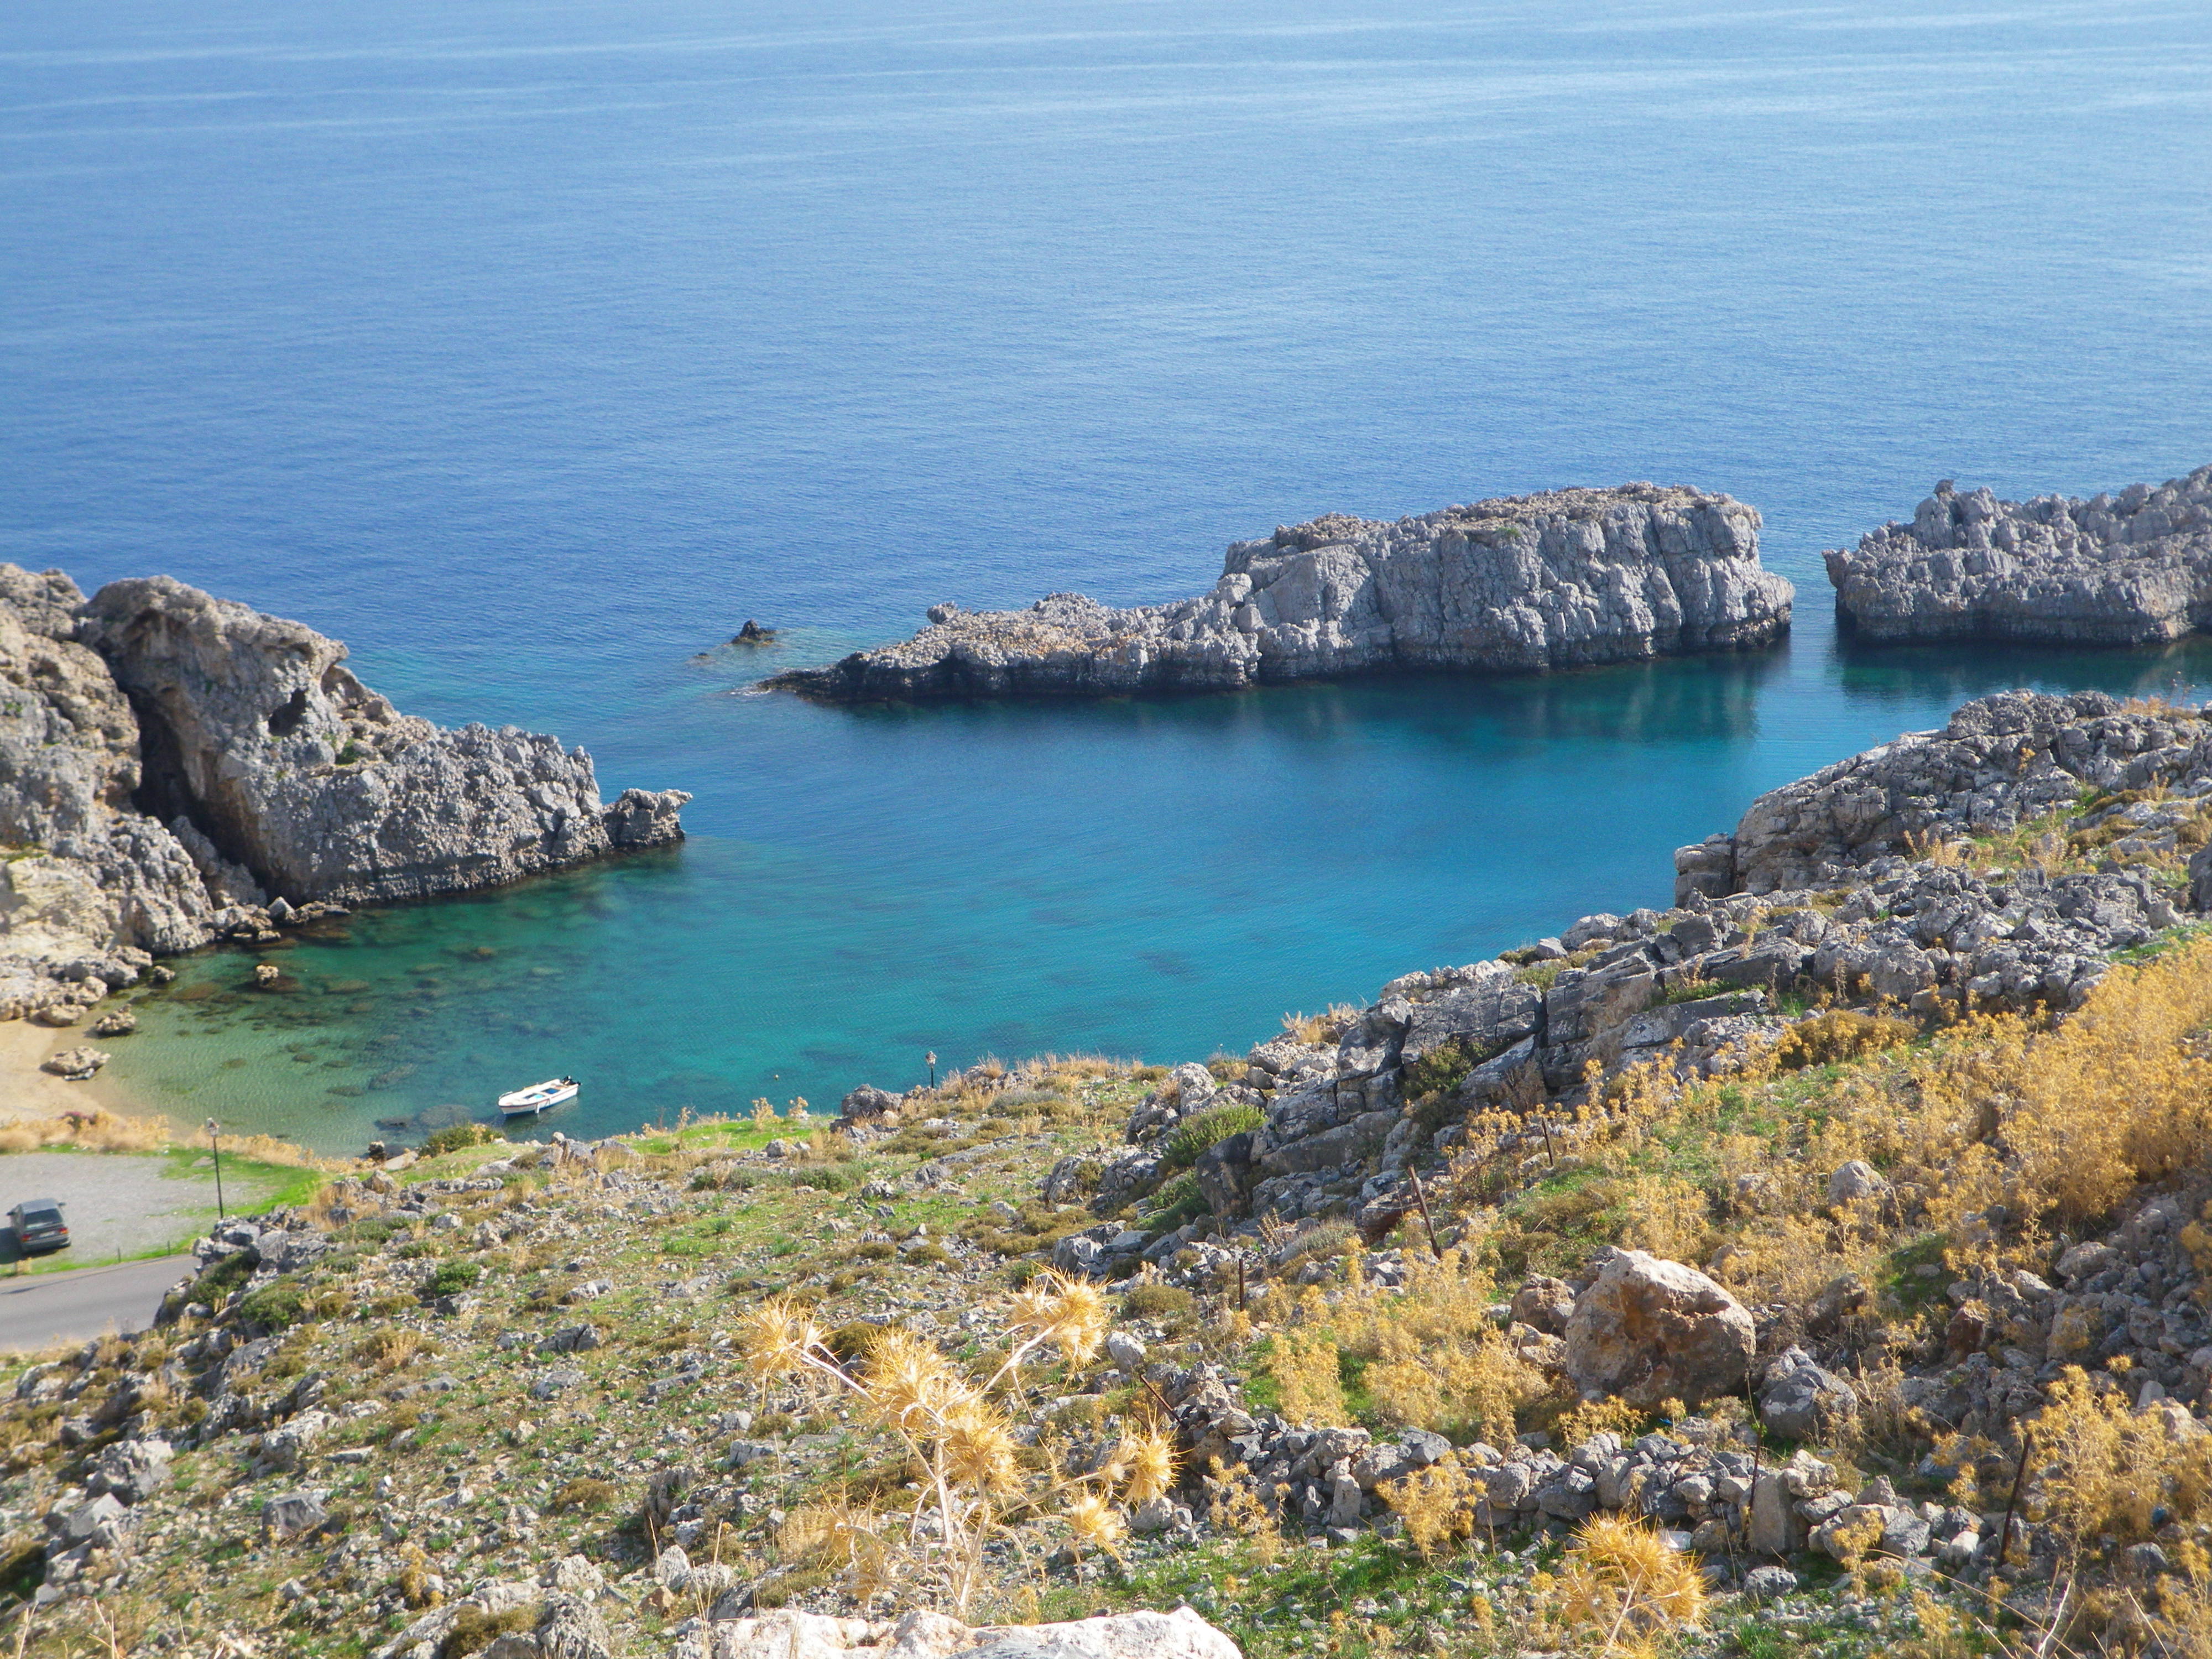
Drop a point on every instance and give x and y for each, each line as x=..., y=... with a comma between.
x=532, y=348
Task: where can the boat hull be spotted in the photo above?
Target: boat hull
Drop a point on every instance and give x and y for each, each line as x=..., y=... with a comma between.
x=529, y=1103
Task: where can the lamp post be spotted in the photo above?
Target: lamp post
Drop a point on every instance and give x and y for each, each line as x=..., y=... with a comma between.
x=215, y=1145
x=931, y=1058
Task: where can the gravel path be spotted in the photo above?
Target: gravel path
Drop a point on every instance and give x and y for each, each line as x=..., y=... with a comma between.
x=119, y=1204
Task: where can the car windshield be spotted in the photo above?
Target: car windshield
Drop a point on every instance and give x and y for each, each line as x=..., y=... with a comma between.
x=41, y=1217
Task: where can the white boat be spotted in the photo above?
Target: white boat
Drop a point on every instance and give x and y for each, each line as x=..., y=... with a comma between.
x=528, y=1102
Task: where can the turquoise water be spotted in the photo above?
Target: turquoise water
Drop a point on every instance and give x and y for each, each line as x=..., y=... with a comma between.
x=532, y=348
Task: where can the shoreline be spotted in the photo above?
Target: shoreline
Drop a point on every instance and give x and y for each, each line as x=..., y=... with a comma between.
x=28, y=1093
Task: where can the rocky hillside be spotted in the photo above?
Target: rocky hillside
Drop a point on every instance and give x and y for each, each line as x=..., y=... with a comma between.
x=1519, y=584
x=176, y=768
x=2119, y=568
x=1821, y=1266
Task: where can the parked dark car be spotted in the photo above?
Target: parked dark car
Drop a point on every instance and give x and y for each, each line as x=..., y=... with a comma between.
x=38, y=1227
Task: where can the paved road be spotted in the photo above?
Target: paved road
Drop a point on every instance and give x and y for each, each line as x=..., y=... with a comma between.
x=41, y=1311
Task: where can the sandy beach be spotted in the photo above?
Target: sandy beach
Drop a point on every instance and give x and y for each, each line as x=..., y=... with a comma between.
x=28, y=1093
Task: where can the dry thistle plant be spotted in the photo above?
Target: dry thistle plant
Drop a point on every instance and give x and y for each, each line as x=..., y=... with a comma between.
x=1611, y=1415
x=1624, y=1584
x=2103, y=1469
x=1234, y=1505
x=951, y=1429
x=1317, y=1029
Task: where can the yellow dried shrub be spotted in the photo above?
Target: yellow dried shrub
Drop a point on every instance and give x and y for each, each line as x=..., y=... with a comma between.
x=2102, y=1468
x=1429, y=1354
x=1840, y=1035
x=92, y=1130
x=1305, y=1367
x=1432, y=1502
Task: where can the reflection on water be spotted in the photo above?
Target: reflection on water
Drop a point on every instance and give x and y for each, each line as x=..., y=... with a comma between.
x=1951, y=674
x=1156, y=877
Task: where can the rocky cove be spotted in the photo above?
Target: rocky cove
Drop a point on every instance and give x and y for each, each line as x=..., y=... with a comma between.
x=1894, y=1362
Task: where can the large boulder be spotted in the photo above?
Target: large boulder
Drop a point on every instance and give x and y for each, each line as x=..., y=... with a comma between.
x=1805, y=1401
x=75, y=1064
x=868, y=1101
x=1649, y=1330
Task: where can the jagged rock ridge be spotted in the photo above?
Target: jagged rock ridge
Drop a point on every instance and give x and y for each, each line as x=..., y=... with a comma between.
x=2001, y=762
x=2115, y=569
x=1518, y=584
x=172, y=766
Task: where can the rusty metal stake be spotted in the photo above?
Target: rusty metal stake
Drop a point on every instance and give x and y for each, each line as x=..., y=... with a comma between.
x=1428, y=1221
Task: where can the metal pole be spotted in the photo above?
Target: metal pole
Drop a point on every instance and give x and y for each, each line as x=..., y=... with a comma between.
x=215, y=1145
x=1427, y=1221
x=931, y=1058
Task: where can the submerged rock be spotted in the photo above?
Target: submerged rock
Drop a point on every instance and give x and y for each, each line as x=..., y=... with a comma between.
x=1518, y=584
x=2115, y=569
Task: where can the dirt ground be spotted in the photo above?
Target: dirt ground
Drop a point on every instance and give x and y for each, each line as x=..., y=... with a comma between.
x=120, y=1205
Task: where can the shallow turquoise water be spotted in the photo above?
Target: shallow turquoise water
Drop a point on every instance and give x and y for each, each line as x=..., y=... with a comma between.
x=1154, y=879
x=530, y=347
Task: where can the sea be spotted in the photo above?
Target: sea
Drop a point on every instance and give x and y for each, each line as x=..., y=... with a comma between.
x=532, y=348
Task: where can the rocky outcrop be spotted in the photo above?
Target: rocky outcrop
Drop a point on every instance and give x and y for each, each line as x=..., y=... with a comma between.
x=1520, y=584
x=175, y=767
x=2115, y=570
x=257, y=733
x=2000, y=763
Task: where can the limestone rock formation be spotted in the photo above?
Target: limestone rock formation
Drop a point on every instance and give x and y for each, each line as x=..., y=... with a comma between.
x=2001, y=762
x=1515, y=585
x=1649, y=1330
x=171, y=762
x=2115, y=569
x=256, y=732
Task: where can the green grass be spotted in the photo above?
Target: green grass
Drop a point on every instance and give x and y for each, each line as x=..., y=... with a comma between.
x=2163, y=943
